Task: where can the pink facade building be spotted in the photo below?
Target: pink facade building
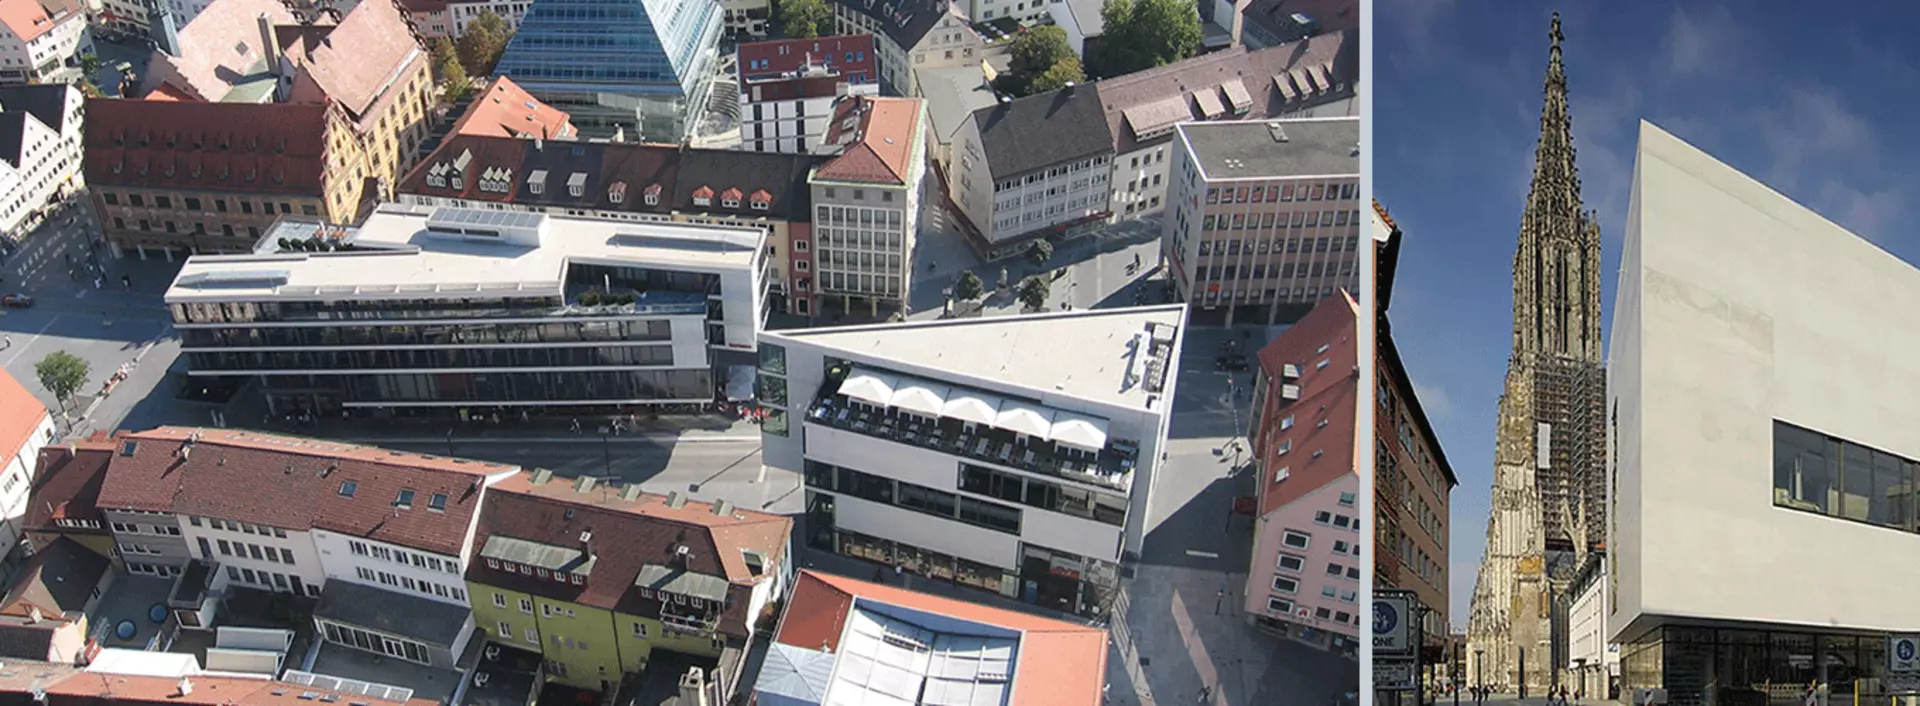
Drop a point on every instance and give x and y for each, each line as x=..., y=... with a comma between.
x=1304, y=581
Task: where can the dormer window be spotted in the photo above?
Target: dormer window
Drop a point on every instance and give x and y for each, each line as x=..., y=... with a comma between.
x=760, y=200
x=459, y=183
x=729, y=203
x=579, y=580
x=577, y=184
x=617, y=193
x=703, y=196
x=730, y=198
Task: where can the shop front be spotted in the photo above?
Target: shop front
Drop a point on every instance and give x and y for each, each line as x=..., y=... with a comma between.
x=1702, y=666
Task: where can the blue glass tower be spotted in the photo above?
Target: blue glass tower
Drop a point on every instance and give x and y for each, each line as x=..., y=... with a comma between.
x=642, y=65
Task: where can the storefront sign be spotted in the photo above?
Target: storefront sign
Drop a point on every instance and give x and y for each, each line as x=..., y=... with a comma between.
x=1393, y=675
x=1061, y=566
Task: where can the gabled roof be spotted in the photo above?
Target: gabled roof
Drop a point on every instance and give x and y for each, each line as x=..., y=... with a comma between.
x=879, y=136
x=1167, y=92
x=1277, y=16
x=1042, y=130
x=21, y=414
x=67, y=484
x=53, y=586
x=1318, y=455
x=952, y=94
x=505, y=109
x=28, y=19
x=906, y=22
x=13, y=138
x=357, y=62
x=835, y=56
x=1057, y=662
x=46, y=103
x=265, y=148
x=299, y=484
x=622, y=537
x=218, y=49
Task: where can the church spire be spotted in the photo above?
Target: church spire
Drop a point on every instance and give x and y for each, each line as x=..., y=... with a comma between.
x=1556, y=260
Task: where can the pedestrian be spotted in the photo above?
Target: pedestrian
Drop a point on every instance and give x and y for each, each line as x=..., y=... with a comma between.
x=1813, y=694
x=9, y=342
x=576, y=425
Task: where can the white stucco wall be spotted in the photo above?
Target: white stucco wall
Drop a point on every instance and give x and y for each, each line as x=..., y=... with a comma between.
x=1737, y=307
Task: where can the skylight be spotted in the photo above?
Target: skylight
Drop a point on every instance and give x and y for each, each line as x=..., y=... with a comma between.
x=347, y=489
x=405, y=500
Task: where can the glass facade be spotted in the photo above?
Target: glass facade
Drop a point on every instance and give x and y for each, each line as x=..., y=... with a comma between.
x=1751, y=667
x=570, y=52
x=1839, y=478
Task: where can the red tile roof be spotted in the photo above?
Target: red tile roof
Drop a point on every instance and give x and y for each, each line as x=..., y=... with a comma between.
x=20, y=414
x=1059, y=663
x=100, y=689
x=296, y=484
x=26, y=19
x=830, y=53
x=360, y=61
x=505, y=109
x=67, y=484
x=221, y=45
x=1317, y=455
x=261, y=148
x=626, y=535
x=1255, y=71
x=879, y=134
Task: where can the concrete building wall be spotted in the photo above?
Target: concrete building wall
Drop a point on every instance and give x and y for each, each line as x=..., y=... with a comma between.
x=275, y=545
x=412, y=569
x=158, y=548
x=1046, y=198
x=169, y=223
x=506, y=615
x=1591, y=656
x=1738, y=307
x=954, y=537
x=16, y=480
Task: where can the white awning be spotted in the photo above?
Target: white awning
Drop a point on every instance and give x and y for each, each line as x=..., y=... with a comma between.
x=970, y=406
x=920, y=397
x=1088, y=433
x=1024, y=419
x=869, y=387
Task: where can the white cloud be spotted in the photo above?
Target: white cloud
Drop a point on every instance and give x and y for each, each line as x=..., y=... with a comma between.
x=1702, y=44
x=1435, y=401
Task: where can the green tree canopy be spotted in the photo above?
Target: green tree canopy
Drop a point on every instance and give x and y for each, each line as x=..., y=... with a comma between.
x=969, y=287
x=805, y=18
x=480, y=47
x=1142, y=34
x=1040, y=252
x=62, y=373
x=1063, y=72
x=448, y=71
x=1038, y=49
x=1033, y=292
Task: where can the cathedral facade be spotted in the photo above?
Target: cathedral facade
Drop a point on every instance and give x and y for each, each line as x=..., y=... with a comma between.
x=1549, y=514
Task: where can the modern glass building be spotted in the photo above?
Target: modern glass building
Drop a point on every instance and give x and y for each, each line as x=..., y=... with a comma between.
x=637, y=65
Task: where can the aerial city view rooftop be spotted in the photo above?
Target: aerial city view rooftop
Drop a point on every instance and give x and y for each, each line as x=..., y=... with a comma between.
x=984, y=353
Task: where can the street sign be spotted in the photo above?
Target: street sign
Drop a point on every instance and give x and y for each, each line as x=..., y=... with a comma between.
x=1393, y=675
x=1902, y=684
x=1903, y=654
x=1392, y=625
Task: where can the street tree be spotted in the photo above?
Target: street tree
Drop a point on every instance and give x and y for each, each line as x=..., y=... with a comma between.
x=1065, y=71
x=1040, y=252
x=448, y=71
x=62, y=374
x=805, y=18
x=969, y=287
x=1033, y=54
x=1142, y=34
x=480, y=46
x=1033, y=292
x=90, y=63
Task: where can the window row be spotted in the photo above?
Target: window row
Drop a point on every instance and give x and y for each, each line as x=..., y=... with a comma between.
x=612, y=386
x=410, y=583
x=374, y=642
x=1840, y=478
x=272, y=581
x=425, y=335
x=919, y=498
x=401, y=556
x=131, y=528
x=243, y=527
x=428, y=358
x=244, y=550
x=1289, y=270
x=1262, y=246
x=1282, y=193
x=1045, y=495
x=195, y=203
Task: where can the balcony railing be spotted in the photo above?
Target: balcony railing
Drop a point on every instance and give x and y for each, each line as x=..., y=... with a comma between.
x=686, y=623
x=1111, y=468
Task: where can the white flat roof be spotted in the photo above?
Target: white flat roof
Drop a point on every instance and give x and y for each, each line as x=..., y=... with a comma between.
x=1088, y=354
x=400, y=256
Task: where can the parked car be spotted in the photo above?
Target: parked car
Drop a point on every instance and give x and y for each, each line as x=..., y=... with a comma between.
x=16, y=301
x=1231, y=363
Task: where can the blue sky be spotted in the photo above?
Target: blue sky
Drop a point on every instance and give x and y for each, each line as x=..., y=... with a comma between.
x=1809, y=102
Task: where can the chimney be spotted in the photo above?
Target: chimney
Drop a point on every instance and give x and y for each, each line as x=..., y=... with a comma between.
x=584, y=484
x=693, y=688
x=186, y=687
x=270, y=45
x=631, y=492
x=33, y=615
x=723, y=508
x=1235, y=27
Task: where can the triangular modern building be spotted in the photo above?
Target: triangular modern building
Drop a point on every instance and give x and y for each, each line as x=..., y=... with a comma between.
x=1012, y=454
x=641, y=65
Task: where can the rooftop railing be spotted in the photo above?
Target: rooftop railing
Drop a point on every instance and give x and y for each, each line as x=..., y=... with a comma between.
x=1111, y=467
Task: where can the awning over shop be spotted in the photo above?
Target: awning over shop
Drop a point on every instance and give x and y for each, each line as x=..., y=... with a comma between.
x=1024, y=419
x=970, y=406
x=921, y=397
x=868, y=386
x=1079, y=431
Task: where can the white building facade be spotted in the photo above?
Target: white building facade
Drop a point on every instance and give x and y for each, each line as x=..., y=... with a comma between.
x=581, y=312
x=29, y=428
x=36, y=41
x=1593, y=659
x=1762, y=512
x=48, y=162
x=1266, y=219
x=1014, y=189
x=791, y=125
x=916, y=455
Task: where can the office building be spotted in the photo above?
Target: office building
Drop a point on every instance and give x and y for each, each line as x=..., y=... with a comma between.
x=979, y=451
x=619, y=65
x=788, y=89
x=866, y=207
x=1412, y=479
x=1031, y=168
x=912, y=35
x=40, y=150
x=379, y=537
x=476, y=312
x=367, y=68
x=601, y=580
x=1266, y=219
x=170, y=178
x=40, y=38
x=1310, y=78
x=1761, y=507
x=1304, y=582
x=847, y=641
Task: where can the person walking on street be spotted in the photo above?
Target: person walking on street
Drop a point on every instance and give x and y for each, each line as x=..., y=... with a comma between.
x=1813, y=694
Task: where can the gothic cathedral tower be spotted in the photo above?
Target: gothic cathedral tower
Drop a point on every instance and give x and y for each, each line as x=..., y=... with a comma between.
x=1549, y=493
